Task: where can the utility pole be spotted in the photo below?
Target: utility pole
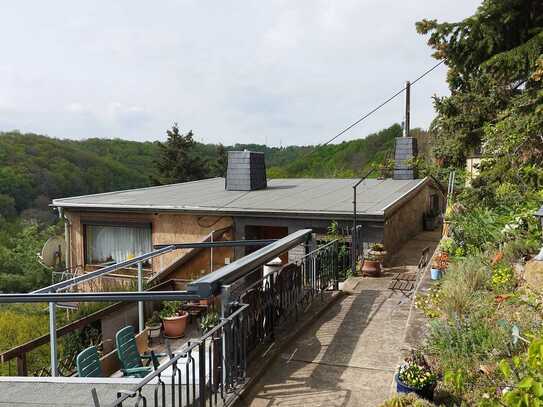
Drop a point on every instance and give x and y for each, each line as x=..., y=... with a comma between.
x=407, y=123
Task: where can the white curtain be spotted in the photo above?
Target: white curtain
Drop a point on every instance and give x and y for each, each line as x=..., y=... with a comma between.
x=116, y=243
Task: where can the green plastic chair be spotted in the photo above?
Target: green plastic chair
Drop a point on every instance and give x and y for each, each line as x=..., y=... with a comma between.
x=88, y=363
x=131, y=360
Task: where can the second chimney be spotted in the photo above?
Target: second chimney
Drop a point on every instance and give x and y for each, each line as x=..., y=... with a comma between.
x=246, y=171
x=404, y=153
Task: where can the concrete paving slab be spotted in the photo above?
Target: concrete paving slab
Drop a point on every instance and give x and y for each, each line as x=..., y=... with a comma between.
x=349, y=355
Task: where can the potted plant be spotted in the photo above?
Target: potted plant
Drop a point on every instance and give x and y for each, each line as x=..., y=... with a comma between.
x=174, y=319
x=209, y=321
x=378, y=252
x=435, y=272
x=371, y=267
x=154, y=322
x=415, y=376
x=154, y=326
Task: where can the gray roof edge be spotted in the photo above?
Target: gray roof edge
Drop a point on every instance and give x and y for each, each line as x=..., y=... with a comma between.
x=223, y=211
x=58, y=202
x=393, y=206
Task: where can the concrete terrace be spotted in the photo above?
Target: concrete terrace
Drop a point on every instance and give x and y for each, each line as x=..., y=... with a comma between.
x=349, y=355
x=345, y=356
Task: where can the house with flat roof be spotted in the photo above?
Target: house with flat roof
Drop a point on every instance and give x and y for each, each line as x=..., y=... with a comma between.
x=118, y=225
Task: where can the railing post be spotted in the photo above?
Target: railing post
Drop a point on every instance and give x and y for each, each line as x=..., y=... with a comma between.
x=140, y=303
x=335, y=266
x=53, y=338
x=202, y=374
x=22, y=369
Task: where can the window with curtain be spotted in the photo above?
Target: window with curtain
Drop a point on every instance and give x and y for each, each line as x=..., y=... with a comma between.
x=106, y=243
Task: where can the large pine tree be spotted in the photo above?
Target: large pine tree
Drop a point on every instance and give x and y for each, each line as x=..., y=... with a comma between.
x=178, y=160
x=492, y=57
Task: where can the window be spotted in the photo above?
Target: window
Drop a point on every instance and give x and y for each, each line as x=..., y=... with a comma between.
x=107, y=243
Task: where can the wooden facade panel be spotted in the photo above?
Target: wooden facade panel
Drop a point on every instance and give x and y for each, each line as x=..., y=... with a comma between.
x=166, y=228
x=177, y=228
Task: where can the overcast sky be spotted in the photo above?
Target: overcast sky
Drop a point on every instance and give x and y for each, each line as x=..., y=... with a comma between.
x=290, y=72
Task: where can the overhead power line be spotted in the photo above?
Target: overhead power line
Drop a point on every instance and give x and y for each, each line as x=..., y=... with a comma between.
x=395, y=95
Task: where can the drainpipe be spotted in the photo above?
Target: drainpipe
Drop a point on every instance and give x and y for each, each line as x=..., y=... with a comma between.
x=211, y=254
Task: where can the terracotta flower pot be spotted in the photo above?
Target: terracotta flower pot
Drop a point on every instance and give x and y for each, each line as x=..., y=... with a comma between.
x=378, y=255
x=371, y=268
x=174, y=327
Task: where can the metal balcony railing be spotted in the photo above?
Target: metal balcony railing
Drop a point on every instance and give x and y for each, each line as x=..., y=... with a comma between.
x=210, y=371
x=204, y=373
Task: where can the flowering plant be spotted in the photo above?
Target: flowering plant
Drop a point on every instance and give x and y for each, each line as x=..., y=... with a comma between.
x=416, y=373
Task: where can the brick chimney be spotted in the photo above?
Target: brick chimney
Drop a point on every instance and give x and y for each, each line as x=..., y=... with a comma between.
x=246, y=171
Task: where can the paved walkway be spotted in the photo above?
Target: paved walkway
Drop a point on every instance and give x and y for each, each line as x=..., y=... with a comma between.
x=349, y=355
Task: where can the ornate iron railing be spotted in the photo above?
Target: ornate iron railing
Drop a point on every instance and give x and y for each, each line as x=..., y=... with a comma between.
x=209, y=371
x=320, y=267
x=281, y=294
x=204, y=373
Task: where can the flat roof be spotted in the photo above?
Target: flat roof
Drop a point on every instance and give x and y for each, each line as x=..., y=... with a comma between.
x=282, y=197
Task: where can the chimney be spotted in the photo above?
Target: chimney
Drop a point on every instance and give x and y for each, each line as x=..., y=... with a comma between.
x=246, y=171
x=406, y=147
x=405, y=151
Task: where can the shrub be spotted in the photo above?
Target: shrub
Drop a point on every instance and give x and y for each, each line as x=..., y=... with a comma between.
x=465, y=343
x=429, y=302
x=460, y=284
x=406, y=400
x=503, y=277
x=476, y=230
x=522, y=379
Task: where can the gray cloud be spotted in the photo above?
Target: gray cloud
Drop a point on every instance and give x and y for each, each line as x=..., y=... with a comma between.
x=252, y=71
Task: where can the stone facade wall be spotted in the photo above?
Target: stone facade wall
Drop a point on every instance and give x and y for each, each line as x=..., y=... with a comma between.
x=407, y=221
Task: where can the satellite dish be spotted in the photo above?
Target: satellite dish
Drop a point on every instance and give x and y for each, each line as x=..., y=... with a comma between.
x=54, y=251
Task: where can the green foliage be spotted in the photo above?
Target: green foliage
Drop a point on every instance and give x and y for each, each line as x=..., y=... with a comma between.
x=170, y=309
x=503, y=277
x=416, y=376
x=344, y=160
x=523, y=376
x=209, y=320
x=178, y=160
x=489, y=55
x=430, y=302
x=35, y=169
x=20, y=270
x=473, y=231
x=76, y=341
x=460, y=284
x=21, y=323
x=406, y=400
x=154, y=319
x=464, y=344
